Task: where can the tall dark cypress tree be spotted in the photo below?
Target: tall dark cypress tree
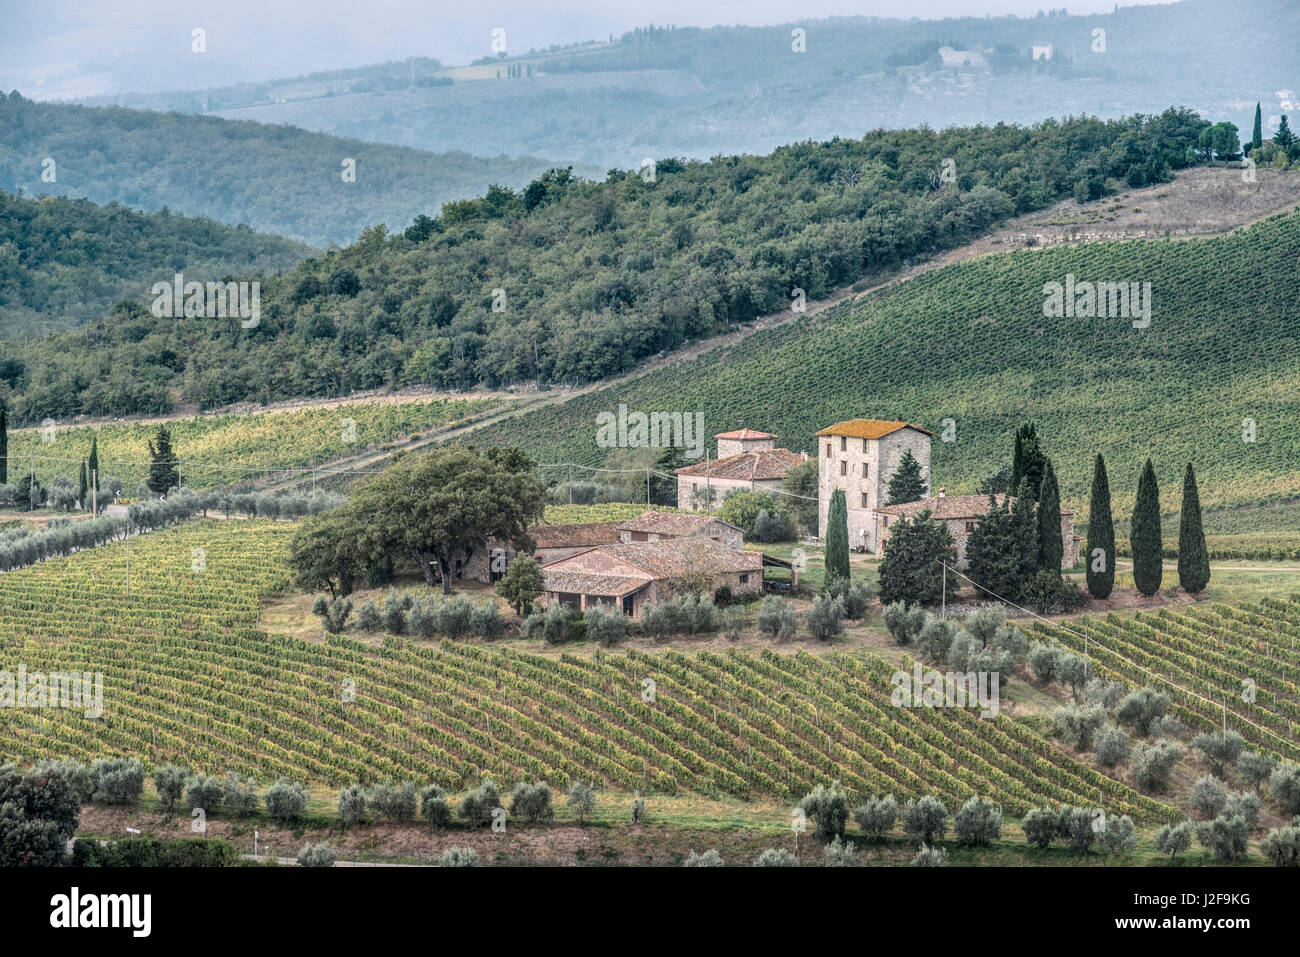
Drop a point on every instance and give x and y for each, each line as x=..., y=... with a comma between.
x=1017, y=462
x=1100, y=556
x=1024, y=543
x=163, y=474
x=1027, y=463
x=1193, y=557
x=4, y=445
x=1257, y=137
x=1051, y=548
x=837, y=537
x=93, y=464
x=83, y=488
x=1144, y=534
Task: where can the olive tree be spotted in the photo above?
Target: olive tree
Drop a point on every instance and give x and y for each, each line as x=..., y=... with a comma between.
x=828, y=809
x=977, y=823
x=925, y=819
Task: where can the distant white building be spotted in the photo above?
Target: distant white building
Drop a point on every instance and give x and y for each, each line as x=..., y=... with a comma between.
x=1042, y=51
x=953, y=57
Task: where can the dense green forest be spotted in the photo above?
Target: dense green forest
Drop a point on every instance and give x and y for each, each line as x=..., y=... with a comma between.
x=572, y=281
x=660, y=91
x=275, y=179
x=1212, y=380
x=63, y=261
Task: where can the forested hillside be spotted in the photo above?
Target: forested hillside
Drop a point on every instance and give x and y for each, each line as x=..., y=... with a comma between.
x=63, y=261
x=659, y=91
x=1213, y=379
x=572, y=281
x=274, y=179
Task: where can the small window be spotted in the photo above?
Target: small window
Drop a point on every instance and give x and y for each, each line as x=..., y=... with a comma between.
x=866, y=470
x=828, y=450
x=886, y=521
x=864, y=444
x=864, y=500
x=844, y=468
x=970, y=526
x=744, y=579
x=844, y=443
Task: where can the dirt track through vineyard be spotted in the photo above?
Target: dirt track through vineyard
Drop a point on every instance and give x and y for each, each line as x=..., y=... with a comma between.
x=1201, y=202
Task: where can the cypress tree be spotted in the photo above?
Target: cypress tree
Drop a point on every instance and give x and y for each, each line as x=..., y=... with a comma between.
x=1017, y=463
x=1144, y=534
x=1023, y=543
x=1027, y=463
x=837, y=537
x=906, y=484
x=93, y=464
x=1100, y=555
x=83, y=488
x=163, y=474
x=999, y=555
x=1284, y=137
x=4, y=445
x=1257, y=137
x=1193, y=557
x=1051, y=548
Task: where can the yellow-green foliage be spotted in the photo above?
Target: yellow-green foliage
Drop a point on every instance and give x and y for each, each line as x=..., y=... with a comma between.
x=246, y=444
x=607, y=512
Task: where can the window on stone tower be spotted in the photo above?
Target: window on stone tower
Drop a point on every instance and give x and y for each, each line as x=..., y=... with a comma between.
x=864, y=444
x=844, y=468
x=864, y=500
x=828, y=450
x=844, y=444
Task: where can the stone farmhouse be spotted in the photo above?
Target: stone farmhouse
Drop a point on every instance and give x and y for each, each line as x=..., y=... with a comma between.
x=961, y=513
x=634, y=576
x=746, y=460
x=860, y=456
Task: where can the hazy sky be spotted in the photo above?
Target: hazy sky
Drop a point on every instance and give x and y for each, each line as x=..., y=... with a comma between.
x=68, y=48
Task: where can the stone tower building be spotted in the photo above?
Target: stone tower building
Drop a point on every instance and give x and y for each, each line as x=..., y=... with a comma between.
x=860, y=456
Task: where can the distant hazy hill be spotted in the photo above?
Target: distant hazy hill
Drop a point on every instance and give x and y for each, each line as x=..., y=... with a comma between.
x=272, y=178
x=700, y=92
x=63, y=261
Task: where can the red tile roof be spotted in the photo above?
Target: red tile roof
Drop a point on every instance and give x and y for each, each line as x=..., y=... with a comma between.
x=579, y=535
x=949, y=506
x=673, y=558
x=670, y=523
x=581, y=583
x=869, y=428
x=753, y=466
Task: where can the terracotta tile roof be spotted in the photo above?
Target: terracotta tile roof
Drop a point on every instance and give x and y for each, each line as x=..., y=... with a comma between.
x=580, y=583
x=743, y=434
x=869, y=428
x=670, y=523
x=679, y=556
x=674, y=558
x=949, y=506
x=753, y=466
x=579, y=535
